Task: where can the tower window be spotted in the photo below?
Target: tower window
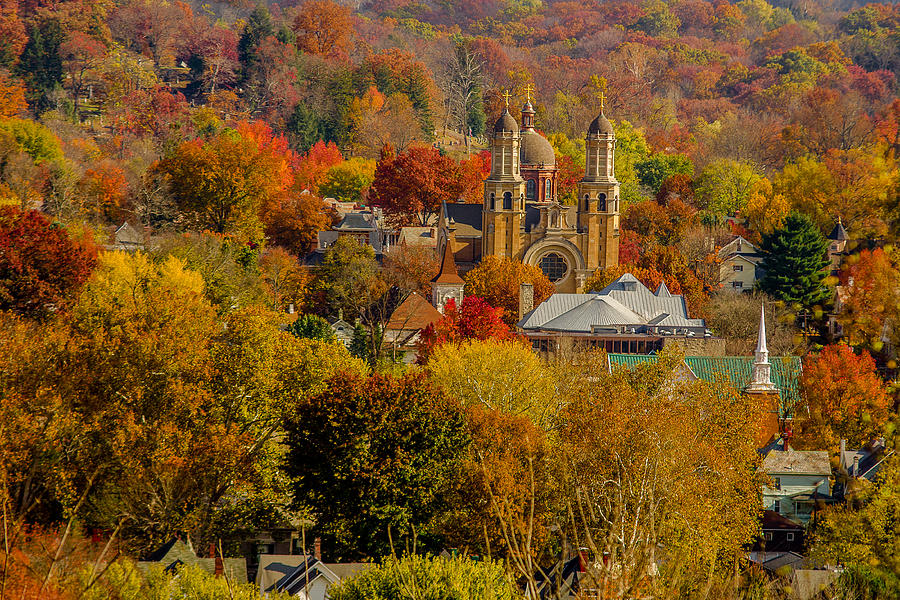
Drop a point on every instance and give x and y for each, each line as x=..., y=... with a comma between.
x=507, y=200
x=548, y=189
x=554, y=266
x=493, y=202
x=601, y=202
x=587, y=203
x=530, y=189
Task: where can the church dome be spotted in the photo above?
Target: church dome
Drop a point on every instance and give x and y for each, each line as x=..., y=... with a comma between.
x=534, y=149
x=506, y=123
x=601, y=125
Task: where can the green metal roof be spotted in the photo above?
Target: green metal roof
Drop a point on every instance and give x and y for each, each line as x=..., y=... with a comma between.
x=734, y=369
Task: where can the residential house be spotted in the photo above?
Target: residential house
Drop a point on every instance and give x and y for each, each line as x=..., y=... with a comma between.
x=837, y=246
x=127, y=238
x=740, y=267
x=780, y=534
x=343, y=330
x=176, y=552
x=418, y=237
x=858, y=467
x=799, y=481
x=303, y=576
x=403, y=330
x=624, y=317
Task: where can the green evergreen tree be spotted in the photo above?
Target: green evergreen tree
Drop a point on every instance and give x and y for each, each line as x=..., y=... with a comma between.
x=259, y=27
x=40, y=65
x=794, y=261
x=359, y=345
x=312, y=327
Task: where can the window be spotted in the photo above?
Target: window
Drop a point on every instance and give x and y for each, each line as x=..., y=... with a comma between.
x=737, y=284
x=768, y=536
x=548, y=189
x=738, y=267
x=601, y=202
x=777, y=507
x=493, y=202
x=789, y=537
x=776, y=483
x=507, y=200
x=530, y=188
x=587, y=203
x=554, y=266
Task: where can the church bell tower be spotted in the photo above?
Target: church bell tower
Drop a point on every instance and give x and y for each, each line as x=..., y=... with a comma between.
x=598, y=196
x=504, y=192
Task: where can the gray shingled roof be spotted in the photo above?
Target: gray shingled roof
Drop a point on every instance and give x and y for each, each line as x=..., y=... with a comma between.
x=626, y=301
x=797, y=462
x=355, y=220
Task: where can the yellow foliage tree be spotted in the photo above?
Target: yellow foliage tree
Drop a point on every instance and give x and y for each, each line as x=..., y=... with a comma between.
x=497, y=281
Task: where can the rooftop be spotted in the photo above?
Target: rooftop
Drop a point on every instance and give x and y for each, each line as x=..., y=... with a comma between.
x=797, y=462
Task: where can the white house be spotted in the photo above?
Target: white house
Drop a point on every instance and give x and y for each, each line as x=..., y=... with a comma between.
x=302, y=576
x=798, y=479
x=739, y=269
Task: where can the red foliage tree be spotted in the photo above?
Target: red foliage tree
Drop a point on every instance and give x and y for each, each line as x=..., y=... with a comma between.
x=41, y=267
x=313, y=166
x=411, y=186
x=474, y=320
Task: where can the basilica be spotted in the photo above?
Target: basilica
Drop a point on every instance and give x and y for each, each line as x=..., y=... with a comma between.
x=521, y=216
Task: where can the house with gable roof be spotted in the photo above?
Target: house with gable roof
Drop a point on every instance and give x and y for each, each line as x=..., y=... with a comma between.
x=740, y=267
x=624, y=317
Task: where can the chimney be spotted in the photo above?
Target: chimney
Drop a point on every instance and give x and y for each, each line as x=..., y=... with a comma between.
x=855, y=472
x=843, y=447
x=526, y=299
x=318, y=549
x=788, y=433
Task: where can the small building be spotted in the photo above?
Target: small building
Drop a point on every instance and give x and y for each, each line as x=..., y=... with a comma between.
x=404, y=329
x=303, y=576
x=176, y=552
x=343, y=330
x=447, y=284
x=365, y=226
x=837, y=247
x=799, y=481
x=624, y=317
x=418, y=237
x=780, y=534
x=127, y=238
x=740, y=267
x=460, y=224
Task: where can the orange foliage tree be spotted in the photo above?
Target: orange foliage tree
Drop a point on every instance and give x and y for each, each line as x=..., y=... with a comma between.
x=12, y=96
x=225, y=181
x=293, y=220
x=843, y=398
x=497, y=280
x=313, y=166
x=323, y=27
x=870, y=298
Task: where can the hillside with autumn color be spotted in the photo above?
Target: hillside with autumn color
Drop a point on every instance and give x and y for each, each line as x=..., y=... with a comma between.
x=218, y=220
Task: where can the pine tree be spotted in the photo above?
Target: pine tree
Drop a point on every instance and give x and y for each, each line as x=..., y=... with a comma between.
x=40, y=64
x=794, y=261
x=259, y=27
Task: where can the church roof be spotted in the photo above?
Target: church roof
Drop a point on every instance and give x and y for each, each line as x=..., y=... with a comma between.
x=601, y=125
x=506, y=123
x=534, y=149
x=413, y=314
x=838, y=234
x=626, y=301
x=735, y=370
x=448, y=272
x=466, y=218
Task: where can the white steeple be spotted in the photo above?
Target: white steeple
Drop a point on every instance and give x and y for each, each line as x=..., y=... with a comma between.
x=761, y=379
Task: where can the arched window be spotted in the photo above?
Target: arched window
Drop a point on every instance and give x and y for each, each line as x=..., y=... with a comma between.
x=507, y=200
x=493, y=202
x=587, y=203
x=601, y=202
x=530, y=188
x=548, y=189
x=554, y=266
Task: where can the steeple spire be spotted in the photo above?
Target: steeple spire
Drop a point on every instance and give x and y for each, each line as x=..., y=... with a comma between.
x=761, y=379
x=447, y=284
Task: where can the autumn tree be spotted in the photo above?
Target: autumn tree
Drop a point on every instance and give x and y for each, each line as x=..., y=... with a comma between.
x=41, y=266
x=313, y=166
x=348, y=181
x=843, y=398
x=498, y=280
x=410, y=186
x=40, y=65
x=312, y=327
x=411, y=267
x=794, y=261
x=870, y=297
x=724, y=186
x=285, y=279
x=226, y=180
x=473, y=320
x=12, y=96
x=352, y=447
x=499, y=374
x=80, y=53
x=12, y=33
x=293, y=220
x=655, y=169
x=323, y=27
x=349, y=279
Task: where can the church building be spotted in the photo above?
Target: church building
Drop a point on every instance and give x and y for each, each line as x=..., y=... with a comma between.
x=521, y=216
